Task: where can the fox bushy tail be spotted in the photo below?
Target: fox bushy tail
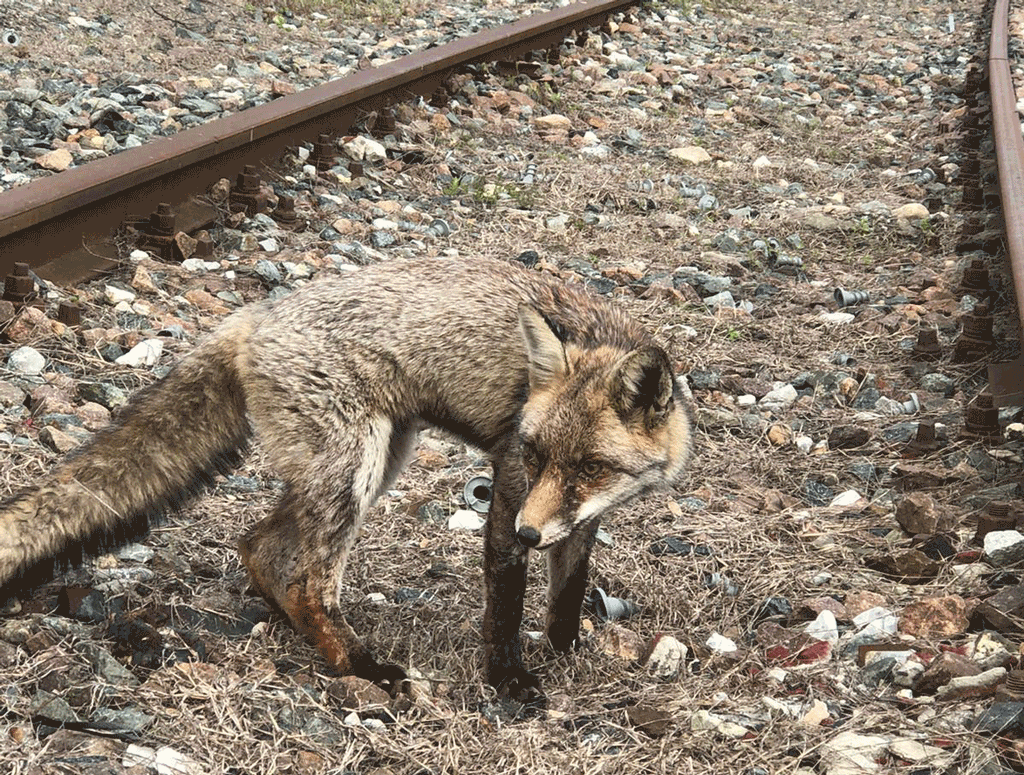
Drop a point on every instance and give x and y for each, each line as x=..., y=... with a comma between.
x=165, y=446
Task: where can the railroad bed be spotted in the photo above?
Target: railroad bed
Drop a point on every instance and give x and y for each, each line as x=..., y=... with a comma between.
x=718, y=173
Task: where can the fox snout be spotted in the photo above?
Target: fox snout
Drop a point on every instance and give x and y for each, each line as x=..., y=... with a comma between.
x=528, y=536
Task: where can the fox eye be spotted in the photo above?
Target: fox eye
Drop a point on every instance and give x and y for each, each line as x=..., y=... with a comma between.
x=530, y=458
x=591, y=470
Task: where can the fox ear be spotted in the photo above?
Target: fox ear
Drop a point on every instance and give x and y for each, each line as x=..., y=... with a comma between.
x=545, y=353
x=643, y=384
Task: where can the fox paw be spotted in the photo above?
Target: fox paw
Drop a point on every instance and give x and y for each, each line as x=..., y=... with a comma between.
x=564, y=639
x=391, y=678
x=519, y=684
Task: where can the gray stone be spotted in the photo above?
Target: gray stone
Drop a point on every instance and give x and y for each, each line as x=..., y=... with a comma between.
x=1004, y=547
x=52, y=708
x=26, y=360
x=268, y=271
x=11, y=395
x=124, y=720
x=102, y=393
x=105, y=666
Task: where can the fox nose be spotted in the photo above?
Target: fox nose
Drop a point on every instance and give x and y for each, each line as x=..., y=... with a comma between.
x=528, y=536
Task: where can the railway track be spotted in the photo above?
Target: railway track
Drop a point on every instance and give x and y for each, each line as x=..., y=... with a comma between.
x=1006, y=379
x=63, y=226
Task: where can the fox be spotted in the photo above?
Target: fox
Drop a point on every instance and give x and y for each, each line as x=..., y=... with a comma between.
x=574, y=403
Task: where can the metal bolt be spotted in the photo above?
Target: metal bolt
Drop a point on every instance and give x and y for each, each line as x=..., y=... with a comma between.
x=161, y=221
x=927, y=347
x=925, y=442
x=609, y=608
x=976, y=339
x=284, y=213
x=975, y=277
x=440, y=227
x=385, y=123
x=912, y=405
x=19, y=287
x=784, y=259
x=204, y=244
x=248, y=180
x=996, y=517
x=478, y=493
x=69, y=314
x=846, y=298
x=982, y=419
x=324, y=153
x=439, y=99
x=246, y=195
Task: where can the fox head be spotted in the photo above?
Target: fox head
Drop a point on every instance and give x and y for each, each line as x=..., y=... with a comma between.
x=600, y=425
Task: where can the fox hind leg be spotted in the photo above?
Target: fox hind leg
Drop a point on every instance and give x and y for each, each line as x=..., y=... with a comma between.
x=297, y=555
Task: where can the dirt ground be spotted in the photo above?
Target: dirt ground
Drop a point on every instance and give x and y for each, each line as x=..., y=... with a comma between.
x=232, y=689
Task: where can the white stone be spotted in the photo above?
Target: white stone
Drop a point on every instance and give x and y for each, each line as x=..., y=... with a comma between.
x=905, y=674
x=849, y=753
x=824, y=627
x=138, y=255
x=360, y=148
x=385, y=224
x=193, y=265
x=722, y=299
x=746, y=400
x=693, y=154
x=464, y=519
x=1004, y=547
x=989, y=678
x=837, y=318
x=269, y=245
x=847, y=498
x=26, y=360
x=804, y=444
x=115, y=295
x=986, y=649
x=145, y=353
x=376, y=598
x=919, y=753
x=762, y=162
x=910, y=211
x=599, y=152
x=780, y=397
x=667, y=658
x=164, y=760
x=703, y=721
x=876, y=621
x=721, y=644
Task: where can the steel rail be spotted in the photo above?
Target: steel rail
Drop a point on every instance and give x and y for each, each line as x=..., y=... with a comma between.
x=1005, y=379
x=62, y=224
x=1009, y=143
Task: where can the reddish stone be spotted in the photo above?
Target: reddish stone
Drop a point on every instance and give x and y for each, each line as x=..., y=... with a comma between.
x=812, y=606
x=940, y=670
x=935, y=617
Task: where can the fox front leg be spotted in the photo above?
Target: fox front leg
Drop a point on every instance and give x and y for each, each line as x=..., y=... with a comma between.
x=567, y=585
x=505, y=561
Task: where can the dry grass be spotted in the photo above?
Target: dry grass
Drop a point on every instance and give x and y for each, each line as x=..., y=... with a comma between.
x=259, y=704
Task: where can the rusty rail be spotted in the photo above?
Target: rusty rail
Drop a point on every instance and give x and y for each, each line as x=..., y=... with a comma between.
x=1006, y=379
x=62, y=224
